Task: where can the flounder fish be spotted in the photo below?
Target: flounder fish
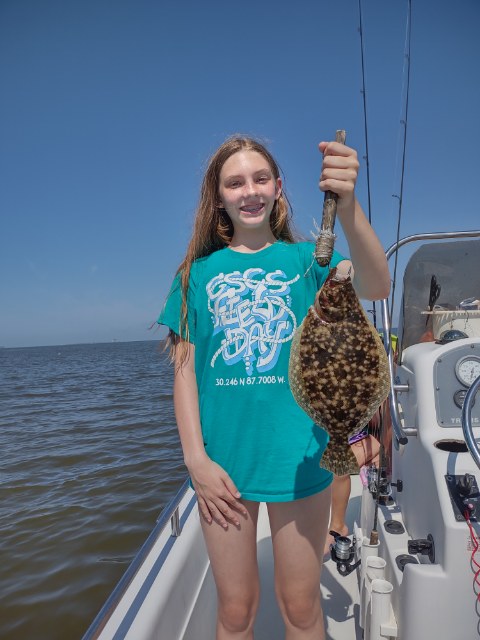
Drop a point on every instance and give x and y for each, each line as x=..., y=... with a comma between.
x=338, y=368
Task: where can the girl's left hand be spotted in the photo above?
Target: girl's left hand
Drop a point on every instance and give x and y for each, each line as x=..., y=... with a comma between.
x=339, y=171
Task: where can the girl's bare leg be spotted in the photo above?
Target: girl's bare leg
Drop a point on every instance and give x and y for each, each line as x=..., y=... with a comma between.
x=367, y=452
x=299, y=529
x=233, y=557
x=341, y=487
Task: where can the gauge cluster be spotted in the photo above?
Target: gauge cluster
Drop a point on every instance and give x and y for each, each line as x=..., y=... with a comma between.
x=454, y=373
x=467, y=369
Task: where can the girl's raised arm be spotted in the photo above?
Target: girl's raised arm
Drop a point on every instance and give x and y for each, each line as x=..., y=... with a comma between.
x=339, y=174
x=216, y=493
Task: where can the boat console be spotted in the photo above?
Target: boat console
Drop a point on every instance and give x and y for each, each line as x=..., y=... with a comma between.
x=427, y=524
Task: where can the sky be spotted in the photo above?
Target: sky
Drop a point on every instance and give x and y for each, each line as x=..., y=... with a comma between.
x=110, y=109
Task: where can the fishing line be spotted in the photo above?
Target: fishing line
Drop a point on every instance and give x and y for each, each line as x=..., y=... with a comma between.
x=365, y=126
x=404, y=123
x=364, y=95
x=400, y=117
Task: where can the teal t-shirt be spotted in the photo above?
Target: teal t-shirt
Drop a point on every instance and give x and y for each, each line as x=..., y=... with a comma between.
x=243, y=309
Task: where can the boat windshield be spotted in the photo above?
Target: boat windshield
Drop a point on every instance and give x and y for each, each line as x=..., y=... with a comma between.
x=443, y=277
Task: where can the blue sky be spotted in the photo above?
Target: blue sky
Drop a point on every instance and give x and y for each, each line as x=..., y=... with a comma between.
x=109, y=110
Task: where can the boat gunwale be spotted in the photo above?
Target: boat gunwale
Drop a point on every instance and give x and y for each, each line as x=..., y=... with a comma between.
x=110, y=605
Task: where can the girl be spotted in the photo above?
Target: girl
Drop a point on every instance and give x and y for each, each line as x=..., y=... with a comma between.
x=239, y=294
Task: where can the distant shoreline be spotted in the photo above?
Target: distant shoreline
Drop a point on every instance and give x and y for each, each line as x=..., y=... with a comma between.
x=393, y=330
x=78, y=344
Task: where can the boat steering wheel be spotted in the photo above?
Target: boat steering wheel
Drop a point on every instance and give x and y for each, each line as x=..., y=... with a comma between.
x=467, y=421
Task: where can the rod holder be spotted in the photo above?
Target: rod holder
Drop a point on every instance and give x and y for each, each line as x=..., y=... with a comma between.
x=367, y=552
x=381, y=618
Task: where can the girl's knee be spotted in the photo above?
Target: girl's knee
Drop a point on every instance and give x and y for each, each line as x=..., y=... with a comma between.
x=300, y=610
x=237, y=614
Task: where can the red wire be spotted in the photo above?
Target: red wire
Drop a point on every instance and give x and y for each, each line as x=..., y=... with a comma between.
x=475, y=549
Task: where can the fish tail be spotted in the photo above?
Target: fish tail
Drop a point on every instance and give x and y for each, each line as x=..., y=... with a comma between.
x=338, y=458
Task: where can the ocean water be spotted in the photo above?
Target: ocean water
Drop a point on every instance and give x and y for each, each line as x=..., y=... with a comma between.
x=89, y=457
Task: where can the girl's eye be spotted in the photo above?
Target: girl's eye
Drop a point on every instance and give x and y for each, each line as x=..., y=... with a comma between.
x=234, y=185
x=262, y=179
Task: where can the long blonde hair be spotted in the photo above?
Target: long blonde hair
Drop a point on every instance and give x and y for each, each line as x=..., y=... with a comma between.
x=213, y=228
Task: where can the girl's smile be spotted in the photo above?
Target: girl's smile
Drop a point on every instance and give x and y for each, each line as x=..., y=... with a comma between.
x=248, y=192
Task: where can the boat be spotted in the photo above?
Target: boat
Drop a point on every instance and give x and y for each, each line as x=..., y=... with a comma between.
x=410, y=568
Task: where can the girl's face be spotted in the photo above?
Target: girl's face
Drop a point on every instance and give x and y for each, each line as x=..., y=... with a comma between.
x=248, y=190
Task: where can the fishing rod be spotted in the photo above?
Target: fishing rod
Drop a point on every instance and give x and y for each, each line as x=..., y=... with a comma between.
x=365, y=128
x=404, y=124
x=375, y=479
x=379, y=479
x=382, y=455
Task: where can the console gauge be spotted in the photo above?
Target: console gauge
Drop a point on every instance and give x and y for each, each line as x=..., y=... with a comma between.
x=467, y=370
x=459, y=398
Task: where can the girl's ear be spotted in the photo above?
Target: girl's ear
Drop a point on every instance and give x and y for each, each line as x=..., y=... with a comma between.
x=278, y=189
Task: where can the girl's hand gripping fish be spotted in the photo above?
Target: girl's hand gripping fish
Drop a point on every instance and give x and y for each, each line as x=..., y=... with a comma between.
x=338, y=368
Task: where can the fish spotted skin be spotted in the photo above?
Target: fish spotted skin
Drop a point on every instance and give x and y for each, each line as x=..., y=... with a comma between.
x=338, y=369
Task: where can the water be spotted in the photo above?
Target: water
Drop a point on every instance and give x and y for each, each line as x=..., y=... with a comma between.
x=89, y=457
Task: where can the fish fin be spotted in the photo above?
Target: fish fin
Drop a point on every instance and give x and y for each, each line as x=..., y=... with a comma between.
x=339, y=459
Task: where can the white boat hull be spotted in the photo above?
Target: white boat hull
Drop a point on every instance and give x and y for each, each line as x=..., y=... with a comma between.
x=172, y=595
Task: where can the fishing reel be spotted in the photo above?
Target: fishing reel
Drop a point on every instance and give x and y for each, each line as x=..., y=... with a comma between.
x=378, y=483
x=342, y=552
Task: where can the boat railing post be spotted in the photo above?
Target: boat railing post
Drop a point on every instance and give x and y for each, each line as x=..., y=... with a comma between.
x=176, y=526
x=400, y=436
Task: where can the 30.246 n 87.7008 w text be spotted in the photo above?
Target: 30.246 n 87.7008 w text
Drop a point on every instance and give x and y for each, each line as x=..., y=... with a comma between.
x=250, y=380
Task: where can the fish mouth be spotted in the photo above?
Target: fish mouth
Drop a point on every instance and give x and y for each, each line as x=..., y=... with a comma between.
x=340, y=274
x=316, y=309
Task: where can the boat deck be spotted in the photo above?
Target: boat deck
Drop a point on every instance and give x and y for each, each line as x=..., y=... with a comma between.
x=340, y=595
x=144, y=609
